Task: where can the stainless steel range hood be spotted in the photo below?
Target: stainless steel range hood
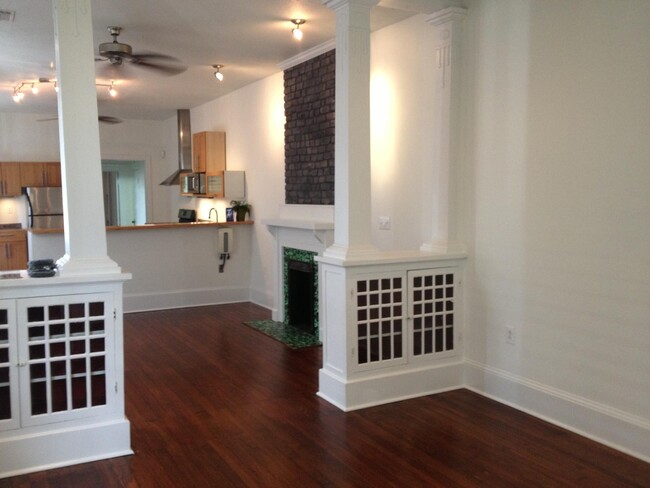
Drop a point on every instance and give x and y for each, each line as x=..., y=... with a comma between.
x=184, y=148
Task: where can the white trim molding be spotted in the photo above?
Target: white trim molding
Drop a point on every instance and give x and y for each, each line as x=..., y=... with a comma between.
x=601, y=423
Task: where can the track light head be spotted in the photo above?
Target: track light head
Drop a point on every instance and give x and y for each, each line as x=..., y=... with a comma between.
x=296, y=32
x=218, y=74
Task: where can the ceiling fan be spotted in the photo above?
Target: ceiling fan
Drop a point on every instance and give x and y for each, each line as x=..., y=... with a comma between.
x=117, y=52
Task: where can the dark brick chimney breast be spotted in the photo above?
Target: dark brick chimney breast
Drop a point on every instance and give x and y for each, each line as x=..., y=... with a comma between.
x=309, y=131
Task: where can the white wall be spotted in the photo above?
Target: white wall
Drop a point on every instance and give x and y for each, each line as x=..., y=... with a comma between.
x=558, y=163
x=402, y=125
x=253, y=119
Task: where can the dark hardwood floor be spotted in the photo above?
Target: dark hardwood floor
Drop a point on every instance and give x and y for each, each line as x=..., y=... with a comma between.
x=214, y=403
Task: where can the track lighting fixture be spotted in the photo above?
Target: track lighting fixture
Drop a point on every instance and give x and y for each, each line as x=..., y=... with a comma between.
x=218, y=74
x=296, y=32
x=34, y=86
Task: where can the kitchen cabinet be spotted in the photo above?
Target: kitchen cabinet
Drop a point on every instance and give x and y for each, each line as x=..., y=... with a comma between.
x=209, y=152
x=40, y=174
x=10, y=180
x=230, y=185
x=13, y=249
x=56, y=361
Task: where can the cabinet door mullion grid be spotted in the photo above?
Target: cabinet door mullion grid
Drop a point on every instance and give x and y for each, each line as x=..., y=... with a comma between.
x=380, y=328
x=433, y=313
x=66, y=346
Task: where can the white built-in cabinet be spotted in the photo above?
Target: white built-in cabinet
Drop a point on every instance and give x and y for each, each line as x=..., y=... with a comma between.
x=404, y=317
x=56, y=359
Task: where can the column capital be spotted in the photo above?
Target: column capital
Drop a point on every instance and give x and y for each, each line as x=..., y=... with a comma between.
x=335, y=4
x=449, y=14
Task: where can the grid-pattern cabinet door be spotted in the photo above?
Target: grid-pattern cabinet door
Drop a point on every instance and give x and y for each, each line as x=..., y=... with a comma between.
x=66, y=352
x=434, y=313
x=9, y=401
x=379, y=334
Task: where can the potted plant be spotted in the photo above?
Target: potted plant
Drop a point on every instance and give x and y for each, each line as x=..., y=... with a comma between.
x=241, y=208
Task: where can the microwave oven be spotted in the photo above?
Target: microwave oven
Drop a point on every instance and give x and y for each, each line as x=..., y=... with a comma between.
x=193, y=183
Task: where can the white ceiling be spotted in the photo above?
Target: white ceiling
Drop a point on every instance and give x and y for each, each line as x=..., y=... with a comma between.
x=249, y=37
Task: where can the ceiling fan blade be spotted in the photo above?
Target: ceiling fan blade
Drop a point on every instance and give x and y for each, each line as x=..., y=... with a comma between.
x=167, y=64
x=109, y=120
x=102, y=118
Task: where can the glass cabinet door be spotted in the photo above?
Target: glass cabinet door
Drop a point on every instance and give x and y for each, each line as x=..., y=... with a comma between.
x=9, y=414
x=66, y=345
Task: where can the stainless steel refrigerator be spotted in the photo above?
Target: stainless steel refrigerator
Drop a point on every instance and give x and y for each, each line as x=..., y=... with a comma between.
x=44, y=207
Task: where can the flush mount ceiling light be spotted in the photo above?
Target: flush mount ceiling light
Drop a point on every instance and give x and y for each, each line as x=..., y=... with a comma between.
x=296, y=32
x=218, y=74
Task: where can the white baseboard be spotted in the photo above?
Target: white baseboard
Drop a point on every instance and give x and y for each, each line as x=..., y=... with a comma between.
x=601, y=423
x=144, y=302
x=387, y=387
x=27, y=453
x=261, y=297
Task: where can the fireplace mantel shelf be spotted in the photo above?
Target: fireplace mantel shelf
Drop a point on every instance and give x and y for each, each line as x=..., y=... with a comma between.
x=300, y=224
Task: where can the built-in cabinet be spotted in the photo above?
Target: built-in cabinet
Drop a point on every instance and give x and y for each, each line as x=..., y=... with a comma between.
x=13, y=249
x=405, y=317
x=56, y=361
x=40, y=174
x=10, y=180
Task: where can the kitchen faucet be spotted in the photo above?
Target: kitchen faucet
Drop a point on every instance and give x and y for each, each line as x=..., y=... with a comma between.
x=216, y=215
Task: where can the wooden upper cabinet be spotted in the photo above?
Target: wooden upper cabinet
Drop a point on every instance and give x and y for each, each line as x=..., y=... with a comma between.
x=40, y=174
x=198, y=152
x=10, y=184
x=209, y=152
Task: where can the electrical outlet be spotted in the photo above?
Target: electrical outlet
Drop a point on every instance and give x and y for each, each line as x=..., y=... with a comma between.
x=384, y=223
x=510, y=335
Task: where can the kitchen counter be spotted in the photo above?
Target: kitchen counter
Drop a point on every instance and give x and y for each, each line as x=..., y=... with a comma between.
x=161, y=225
x=172, y=264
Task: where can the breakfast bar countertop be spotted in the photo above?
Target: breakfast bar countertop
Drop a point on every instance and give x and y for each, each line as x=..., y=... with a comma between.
x=161, y=225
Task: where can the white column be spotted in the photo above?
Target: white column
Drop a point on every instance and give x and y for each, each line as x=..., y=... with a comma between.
x=446, y=137
x=352, y=231
x=83, y=205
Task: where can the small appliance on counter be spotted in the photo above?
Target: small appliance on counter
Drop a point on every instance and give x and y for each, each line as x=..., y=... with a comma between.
x=41, y=268
x=186, y=215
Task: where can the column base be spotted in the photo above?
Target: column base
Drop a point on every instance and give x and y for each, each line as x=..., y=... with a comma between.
x=69, y=266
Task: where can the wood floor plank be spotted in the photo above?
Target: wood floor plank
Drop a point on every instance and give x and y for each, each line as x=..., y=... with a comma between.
x=214, y=403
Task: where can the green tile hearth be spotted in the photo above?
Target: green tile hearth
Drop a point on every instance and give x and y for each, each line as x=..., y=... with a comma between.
x=287, y=334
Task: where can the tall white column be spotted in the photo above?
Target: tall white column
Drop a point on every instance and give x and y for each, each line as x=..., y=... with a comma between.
x=446, y=136
x=352, y=231
x=83, y=205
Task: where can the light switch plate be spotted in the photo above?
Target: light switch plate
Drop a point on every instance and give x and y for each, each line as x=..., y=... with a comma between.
x=384, y=223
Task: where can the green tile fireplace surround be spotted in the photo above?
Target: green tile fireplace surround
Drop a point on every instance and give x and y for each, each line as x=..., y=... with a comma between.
x=300, y=255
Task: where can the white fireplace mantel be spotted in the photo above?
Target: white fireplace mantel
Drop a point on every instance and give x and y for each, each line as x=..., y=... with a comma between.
x=294, y=229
